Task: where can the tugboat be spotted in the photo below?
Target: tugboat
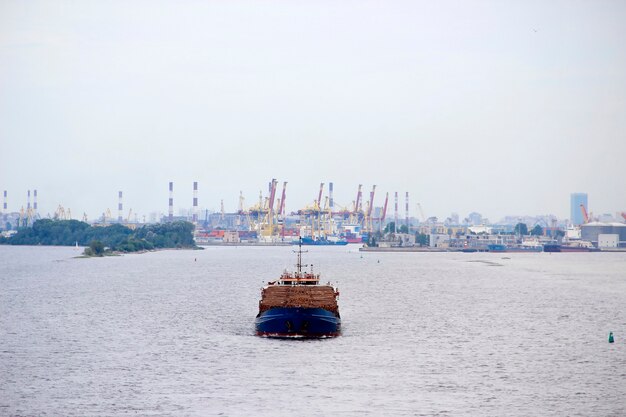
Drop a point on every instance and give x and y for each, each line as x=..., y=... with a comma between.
x=297, y=306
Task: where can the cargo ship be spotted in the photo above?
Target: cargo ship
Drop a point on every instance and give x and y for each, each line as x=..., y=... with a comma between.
x=352, y=233
x=321, y=241
x=498, y=248
x=297, y=306
x=571, y=247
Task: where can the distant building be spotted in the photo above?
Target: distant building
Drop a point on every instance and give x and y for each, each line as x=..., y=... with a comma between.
x=608, y=240
x=475, y=218
x=576, y=215
x=439, y=240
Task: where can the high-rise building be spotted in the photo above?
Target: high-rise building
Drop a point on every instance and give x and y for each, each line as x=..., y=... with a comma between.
x=576, y=214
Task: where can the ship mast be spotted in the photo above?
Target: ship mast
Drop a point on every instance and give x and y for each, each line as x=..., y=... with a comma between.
x=299, y=264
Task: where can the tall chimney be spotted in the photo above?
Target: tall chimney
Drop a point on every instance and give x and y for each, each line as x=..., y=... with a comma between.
x=28, y=201
x=35, y=201
x=395, y=217
x=195, y=202
x=171, y=206
x=120, y=207
x=406, y=209
x=330, y=195
x=4, y=206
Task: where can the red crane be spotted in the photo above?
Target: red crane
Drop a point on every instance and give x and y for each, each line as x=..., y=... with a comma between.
x=358, y=199
x=585, y=215
x=319, y=197
x=281, y=210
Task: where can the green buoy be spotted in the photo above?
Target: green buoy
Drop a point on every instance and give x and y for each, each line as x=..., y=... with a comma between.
x=611, y=340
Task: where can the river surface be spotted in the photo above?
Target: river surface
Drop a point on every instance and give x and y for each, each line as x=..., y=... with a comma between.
x=433, y=334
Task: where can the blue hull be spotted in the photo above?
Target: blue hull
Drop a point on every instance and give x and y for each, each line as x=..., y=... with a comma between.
x=320, y=242
x=297, y=322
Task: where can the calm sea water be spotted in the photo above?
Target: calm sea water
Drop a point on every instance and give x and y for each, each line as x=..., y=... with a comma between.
x=445, y=334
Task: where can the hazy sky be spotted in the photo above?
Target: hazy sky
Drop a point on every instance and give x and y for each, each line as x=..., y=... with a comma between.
x=502, y=107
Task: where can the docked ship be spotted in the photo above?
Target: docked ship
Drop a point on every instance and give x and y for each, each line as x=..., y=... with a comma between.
x=572, y=246
x=297, y=306
x=498, y=247
x=321, y=241
x=352, y=233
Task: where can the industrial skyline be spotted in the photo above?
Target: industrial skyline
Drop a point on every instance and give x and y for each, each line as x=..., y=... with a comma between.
x=191, y=209
x=498, y=108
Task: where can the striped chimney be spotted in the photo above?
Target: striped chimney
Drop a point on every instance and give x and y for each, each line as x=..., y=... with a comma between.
x=171, y=204
x=120, y=207
x=28, y=201
x=195, y=202
x=330, y=195
x=395, y=217
x=4, y=206
x=406, y=209
x=35, y=201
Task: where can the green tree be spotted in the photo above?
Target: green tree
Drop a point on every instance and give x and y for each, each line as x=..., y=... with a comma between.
x=537, y=230
x=521, y=229
x=422, y=239
x=96, y=248
x=116, y=236
x=404, y=229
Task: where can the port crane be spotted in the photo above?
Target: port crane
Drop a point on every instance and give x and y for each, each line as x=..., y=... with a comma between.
x=264, y=211
x=370, y=206
x=586, y=217
x=62, y=214
x=383, y=214
x=319, y=196
x=357, y=212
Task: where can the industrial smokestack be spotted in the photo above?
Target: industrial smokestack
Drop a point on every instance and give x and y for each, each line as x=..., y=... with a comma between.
x=120, y=207
x=195, y=202
x=35, y=201
x=330, y=196
x=395, y=217
x=171, y=205
x=406, y=209
x=28, y=201
x=4, y=206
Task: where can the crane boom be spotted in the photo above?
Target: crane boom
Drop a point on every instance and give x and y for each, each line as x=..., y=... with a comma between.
x=281, y=210
x=272, y=196
x=584, y=212
x=358, y=199
x=319, y=196
x=382, y=218
x=369, y=209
